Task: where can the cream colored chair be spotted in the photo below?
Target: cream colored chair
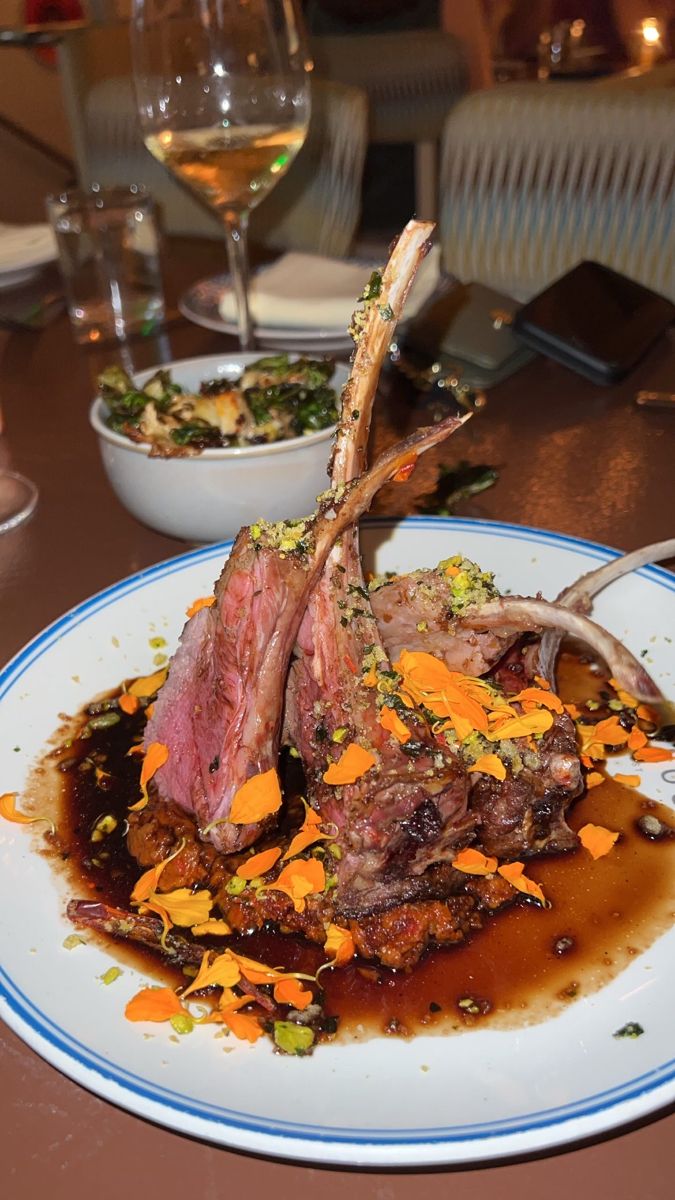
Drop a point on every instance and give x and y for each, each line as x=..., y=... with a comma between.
x=315, y=208
x=412, y=79
x=535, y=178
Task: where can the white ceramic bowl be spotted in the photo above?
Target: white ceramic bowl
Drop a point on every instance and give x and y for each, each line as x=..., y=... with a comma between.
x=208, y=497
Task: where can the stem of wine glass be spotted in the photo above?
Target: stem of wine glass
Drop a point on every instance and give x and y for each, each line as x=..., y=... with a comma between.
x=237, y=252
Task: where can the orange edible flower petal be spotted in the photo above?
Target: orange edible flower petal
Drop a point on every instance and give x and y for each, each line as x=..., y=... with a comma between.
x=445, y=693
x=339, y=945
x=370, y=678
x=307, y=836
x=258, y=864
x=610, y=732
x=351, y=765
x=303, y=877
x=182, y=906
x=147, y=685
x=627, y=780
x=572, y=711
x=405, y=470
x=197, y=605
x=259, y=797
x=243, y=1025
x=147, y=884
x=390, y=720
x=594, y=738
x=223, y=971
x=257, y=972
x=637, y=738
x=624, y=696
x=153, y=1004
x=597, y=840
x=155, y=757
x=540, y=696
x=489, y=764
x=474, y=862
x=513, y=874
x=594, y=779
x=653, y=754
x=516, y=727
x=542, y=683
x=10, y=812
x=212, y=927
x=232, y=1001
x=128, y=703
x=645, y=713
x=291, y=991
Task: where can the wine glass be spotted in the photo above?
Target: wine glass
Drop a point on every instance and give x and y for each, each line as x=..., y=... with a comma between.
x=18, y=496
x=223, y=96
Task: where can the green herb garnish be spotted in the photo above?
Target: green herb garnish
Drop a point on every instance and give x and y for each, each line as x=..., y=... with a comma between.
x=457, y=483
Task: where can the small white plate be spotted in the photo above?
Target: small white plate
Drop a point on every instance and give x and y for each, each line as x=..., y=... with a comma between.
x=200, y=304
x=424, y=1102
x=24, y=249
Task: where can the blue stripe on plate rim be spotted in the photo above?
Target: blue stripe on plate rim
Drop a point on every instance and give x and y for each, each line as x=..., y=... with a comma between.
x=26, y=1013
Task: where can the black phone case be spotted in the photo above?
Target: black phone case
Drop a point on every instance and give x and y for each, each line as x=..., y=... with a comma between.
x=595, y=321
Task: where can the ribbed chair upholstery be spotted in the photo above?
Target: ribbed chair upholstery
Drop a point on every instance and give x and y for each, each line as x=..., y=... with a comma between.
x=412, y=79
x=314, y=208
x=535, y=178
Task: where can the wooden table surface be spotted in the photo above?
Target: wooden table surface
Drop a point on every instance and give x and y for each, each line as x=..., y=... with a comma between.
x=572, y=457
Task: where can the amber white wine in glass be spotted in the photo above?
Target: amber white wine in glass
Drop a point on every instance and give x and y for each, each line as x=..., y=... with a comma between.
x=223, y=96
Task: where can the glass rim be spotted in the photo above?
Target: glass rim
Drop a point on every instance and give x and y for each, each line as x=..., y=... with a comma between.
x=98, y=195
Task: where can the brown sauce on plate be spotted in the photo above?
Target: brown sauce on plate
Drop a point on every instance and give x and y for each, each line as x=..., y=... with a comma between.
x=526, y=964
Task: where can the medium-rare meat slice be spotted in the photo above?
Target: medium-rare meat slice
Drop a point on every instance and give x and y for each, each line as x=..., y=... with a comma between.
x=423, y=611
x=219, y=712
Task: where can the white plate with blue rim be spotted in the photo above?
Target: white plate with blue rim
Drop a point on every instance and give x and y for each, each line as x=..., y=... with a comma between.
x=430, y=1100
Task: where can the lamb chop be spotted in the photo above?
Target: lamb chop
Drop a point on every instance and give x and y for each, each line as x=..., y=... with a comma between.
x=463, y=620
x=219, y=713
x=477, y=632
x=408, y=811
x=423, y=611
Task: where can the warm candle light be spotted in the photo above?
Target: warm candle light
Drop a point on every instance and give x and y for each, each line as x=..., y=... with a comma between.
x=651, y=32
x=649, y=39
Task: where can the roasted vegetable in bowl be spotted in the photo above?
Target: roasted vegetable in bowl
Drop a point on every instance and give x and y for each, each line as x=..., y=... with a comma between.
x=275, y=398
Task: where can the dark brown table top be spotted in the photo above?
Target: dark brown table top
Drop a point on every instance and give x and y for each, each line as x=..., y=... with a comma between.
x=572, y=457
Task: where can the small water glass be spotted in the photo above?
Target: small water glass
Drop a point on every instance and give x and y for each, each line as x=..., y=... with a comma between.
x=108, y=245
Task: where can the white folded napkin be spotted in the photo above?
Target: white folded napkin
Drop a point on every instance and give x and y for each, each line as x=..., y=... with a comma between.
x=25, y=246
x=306, y=291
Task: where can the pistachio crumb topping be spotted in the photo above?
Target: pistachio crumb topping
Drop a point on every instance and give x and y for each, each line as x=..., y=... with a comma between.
x=293, y=536
x=468, y=584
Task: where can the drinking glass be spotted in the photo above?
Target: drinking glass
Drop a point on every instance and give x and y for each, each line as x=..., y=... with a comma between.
x=18, y=495
x=223, y=95
x=108, y=246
